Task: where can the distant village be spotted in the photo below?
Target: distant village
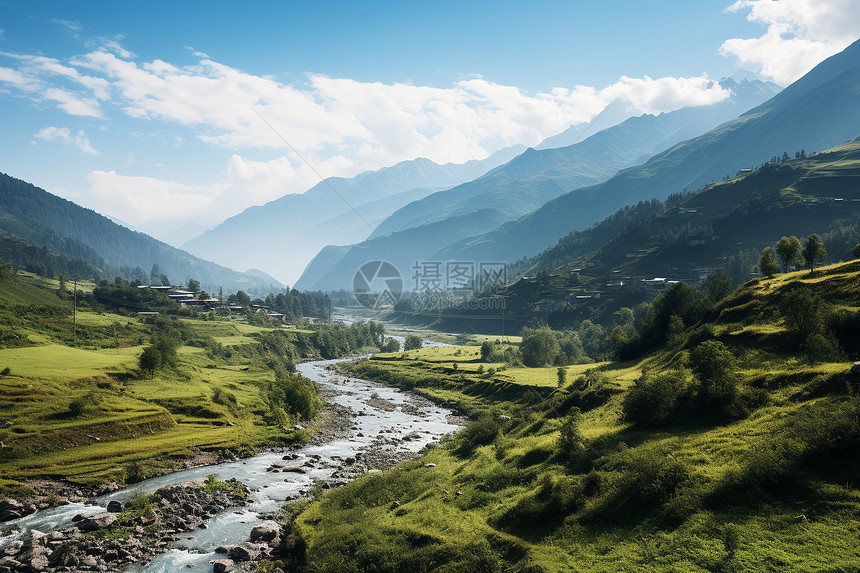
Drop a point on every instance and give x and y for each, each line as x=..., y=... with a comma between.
x=188, y=299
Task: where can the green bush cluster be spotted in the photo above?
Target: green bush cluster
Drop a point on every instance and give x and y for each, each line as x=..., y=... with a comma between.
x=654, y=397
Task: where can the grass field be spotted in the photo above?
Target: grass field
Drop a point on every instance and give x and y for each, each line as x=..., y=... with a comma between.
x=771, y=489
x=74, y=403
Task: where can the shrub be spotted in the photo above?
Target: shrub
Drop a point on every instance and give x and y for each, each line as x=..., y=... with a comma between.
x=412, y=342
x=653, y=398
x=134, y=472
x=653, y=478
x=478, y=433
x=6, y=371
x=820, y=348
x=571, y=442
x=714, y=366
x=224, y=397
x=294, y=393
x=554, y=499
x=141, y=502
x=591, y=380
x=78, y=406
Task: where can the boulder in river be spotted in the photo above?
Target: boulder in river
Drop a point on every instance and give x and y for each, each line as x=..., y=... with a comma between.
x=295, y=470
x=245, y=552
x=265, y=532
x=97, y=521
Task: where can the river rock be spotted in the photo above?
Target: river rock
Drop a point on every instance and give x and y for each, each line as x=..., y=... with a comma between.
x=14, y=509
x=265, y=532
x=97, y=521
x=245, y=552
x=114, y=507
x=295, y=470
x=222, y=566
x=108, y=488
x=39, y=563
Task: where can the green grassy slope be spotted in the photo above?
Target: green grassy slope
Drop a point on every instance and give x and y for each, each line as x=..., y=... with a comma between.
x=769, y=486
x=74, y=403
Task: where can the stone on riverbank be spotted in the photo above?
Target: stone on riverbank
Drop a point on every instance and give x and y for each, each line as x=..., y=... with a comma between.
x=14, y=509
x=265, y=532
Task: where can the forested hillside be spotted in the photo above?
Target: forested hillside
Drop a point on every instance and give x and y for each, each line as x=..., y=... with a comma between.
x=66, y=229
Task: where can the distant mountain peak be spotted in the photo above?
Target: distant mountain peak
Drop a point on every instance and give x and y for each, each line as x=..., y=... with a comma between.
x=747, y=75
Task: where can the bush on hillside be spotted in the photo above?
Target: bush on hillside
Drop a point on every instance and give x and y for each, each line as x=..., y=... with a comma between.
x=571, y=442
x=715, y=367
x=652, y=398
x=478, y=433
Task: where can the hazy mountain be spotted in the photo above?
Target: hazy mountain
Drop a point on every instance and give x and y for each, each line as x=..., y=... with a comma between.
x=175, y=231
x=613, y=114
x=60, y=226
x=818, y=111
x=402, y=249
x=283, y=235
x=525, y=183
x=536, y=176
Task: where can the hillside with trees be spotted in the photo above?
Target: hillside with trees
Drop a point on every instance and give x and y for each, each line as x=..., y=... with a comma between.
x=728, y=446
x=69, y=231
x=724, y=227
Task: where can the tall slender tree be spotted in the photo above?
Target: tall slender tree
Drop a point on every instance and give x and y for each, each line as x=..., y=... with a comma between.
x=813, y=251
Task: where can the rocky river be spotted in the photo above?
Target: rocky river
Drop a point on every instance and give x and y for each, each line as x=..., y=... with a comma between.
x=205, y=529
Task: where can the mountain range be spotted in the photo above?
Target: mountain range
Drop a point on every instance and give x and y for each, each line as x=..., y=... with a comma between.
x=818, y=111
x=283, y=235
x=425, y=227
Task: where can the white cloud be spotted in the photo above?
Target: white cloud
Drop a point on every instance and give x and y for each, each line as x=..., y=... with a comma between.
x=64, y=135
x=115, y=47
x=366, y=125
x=68, y=24
x=141, y=199
x=665, y=94
x=16, y=78
x=39, y=77
x=800, y=34
x=73, y=104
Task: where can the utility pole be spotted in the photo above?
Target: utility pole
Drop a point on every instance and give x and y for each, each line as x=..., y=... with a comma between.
x=75, y=312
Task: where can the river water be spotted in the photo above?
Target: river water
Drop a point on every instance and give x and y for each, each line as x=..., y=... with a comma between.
x=378, y=427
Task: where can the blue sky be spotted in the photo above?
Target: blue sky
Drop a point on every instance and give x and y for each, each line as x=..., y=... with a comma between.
x=127, y=107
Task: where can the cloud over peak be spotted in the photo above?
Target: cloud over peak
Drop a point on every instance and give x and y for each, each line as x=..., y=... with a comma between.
x=799, y=34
